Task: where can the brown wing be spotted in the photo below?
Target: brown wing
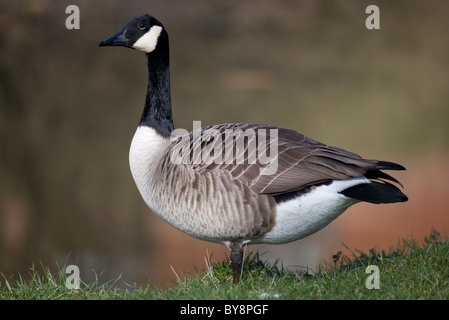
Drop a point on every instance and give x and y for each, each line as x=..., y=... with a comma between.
x=299, y=161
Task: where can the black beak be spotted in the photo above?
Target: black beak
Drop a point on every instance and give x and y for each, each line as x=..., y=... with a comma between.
x=116, y=40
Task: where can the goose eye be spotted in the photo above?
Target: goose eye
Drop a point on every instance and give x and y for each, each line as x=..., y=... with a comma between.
x=141, y=26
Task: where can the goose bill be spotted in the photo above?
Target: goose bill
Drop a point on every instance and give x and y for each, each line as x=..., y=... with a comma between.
x=118, y=39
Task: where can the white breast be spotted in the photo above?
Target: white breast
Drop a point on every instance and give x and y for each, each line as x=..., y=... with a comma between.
x=147, y=147
x=302, y=216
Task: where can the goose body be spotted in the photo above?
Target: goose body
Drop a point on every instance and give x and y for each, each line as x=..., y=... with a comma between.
x=211, y=183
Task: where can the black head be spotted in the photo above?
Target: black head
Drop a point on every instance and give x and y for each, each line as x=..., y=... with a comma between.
x=142, y=33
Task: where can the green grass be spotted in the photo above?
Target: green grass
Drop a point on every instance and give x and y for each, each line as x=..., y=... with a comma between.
x=409, y=270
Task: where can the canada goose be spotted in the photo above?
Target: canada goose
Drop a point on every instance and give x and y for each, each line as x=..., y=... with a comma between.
x=224, y=197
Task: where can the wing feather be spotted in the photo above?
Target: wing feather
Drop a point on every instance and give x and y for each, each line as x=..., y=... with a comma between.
x=301, y=161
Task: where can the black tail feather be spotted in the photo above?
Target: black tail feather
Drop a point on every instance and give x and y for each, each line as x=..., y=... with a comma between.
x=379, y=190
x=375, y=192
x=377, y=174
x=387, y=165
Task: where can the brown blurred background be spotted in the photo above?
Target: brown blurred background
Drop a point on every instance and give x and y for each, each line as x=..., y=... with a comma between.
x=68, y=111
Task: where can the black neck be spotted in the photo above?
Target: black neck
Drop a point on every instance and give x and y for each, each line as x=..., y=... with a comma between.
x=157, y=112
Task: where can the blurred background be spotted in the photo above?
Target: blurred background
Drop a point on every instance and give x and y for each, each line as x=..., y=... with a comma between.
x=68, y=111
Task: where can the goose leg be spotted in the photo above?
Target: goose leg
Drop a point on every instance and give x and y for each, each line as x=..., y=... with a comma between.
x=236, y=260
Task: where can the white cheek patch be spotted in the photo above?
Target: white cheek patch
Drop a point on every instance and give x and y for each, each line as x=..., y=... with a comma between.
x=148, y=41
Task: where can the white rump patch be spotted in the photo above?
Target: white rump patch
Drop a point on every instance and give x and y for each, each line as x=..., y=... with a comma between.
x=148, y=41
x=308, y=213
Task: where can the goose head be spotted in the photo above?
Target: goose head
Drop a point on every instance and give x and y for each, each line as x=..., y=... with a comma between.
x=142, y=33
